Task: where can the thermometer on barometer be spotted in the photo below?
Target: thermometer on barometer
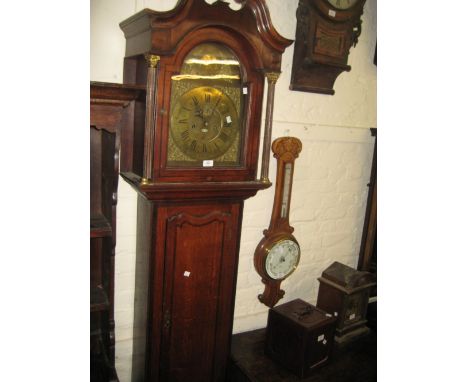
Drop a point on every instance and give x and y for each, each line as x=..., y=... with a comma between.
x=286, y=188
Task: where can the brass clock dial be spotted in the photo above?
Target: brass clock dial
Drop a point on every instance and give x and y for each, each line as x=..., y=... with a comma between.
x=342, y=4
x=204, y=123
x=278, y=253
x=206, y=126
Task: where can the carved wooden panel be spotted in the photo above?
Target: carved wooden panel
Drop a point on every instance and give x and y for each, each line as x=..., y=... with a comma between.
x=329, y=42
x=194, y=260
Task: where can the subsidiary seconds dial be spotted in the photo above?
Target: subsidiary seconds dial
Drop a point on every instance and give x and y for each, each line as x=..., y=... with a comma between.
x=204, y=123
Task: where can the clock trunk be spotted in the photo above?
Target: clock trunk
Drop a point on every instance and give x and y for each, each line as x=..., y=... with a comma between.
x=187, y=277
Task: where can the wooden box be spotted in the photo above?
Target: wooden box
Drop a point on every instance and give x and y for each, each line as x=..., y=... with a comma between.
x=344, y=292
x=299, y=336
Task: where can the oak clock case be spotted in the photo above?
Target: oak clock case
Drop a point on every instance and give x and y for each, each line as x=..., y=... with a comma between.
x=325, y=32
x=278, y=253
x=192, y=156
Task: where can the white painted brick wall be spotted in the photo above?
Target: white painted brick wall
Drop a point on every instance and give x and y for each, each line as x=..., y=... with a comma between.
x=331, y=174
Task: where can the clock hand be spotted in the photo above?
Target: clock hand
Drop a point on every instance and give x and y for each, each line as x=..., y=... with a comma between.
x=199, y=112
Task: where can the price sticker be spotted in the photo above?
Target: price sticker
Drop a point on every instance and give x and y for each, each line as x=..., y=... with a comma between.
x=244, y=90
x=331, y=13
x=187, y=274
x=321, y=337
x=208, y=163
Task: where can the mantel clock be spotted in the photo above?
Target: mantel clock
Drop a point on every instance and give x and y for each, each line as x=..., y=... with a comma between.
x=325, y=32
x=192, y=152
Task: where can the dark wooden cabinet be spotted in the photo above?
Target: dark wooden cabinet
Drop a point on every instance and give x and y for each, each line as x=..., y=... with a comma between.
x=109, y=106
x=299, y=336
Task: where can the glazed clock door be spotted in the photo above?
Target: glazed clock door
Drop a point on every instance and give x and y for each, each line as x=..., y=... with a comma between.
x=206, y=122
x=198, y=298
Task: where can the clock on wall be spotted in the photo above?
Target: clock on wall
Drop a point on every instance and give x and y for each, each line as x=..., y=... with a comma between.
x=277, y=254
x=325, y=32
x=191, y=153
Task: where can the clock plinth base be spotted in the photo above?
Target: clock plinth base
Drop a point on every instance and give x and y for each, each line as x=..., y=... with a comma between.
x=351, y=336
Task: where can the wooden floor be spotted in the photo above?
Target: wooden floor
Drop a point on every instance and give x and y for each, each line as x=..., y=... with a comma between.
x=354, y=362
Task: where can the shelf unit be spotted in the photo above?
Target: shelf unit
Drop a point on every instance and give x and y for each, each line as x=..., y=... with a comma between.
x=112, y=106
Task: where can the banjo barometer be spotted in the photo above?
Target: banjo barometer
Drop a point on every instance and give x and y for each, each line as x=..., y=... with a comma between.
x=278, y=253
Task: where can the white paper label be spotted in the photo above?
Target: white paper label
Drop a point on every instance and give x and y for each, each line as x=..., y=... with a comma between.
x=186, y=273
x=331, y=13
x=208, y=163
x=351, y=316
x=321, y=337
x=228, y=119
x=244, y=90
x=324, y=342
x=336, y=314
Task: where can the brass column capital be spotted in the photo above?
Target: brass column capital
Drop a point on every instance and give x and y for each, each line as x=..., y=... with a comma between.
x=272, y=77
x=152, y=60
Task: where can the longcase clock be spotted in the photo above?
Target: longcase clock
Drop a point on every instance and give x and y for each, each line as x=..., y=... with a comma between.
x=191, y=153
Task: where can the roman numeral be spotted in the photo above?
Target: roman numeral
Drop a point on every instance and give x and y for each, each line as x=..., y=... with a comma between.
x=204, y=148
x=195, y=101
x=193, y=145
x=207, y=98
x=182, y=120
x=184, y=134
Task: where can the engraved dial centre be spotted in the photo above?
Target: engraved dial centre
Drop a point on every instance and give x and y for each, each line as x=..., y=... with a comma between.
x=204, y=123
